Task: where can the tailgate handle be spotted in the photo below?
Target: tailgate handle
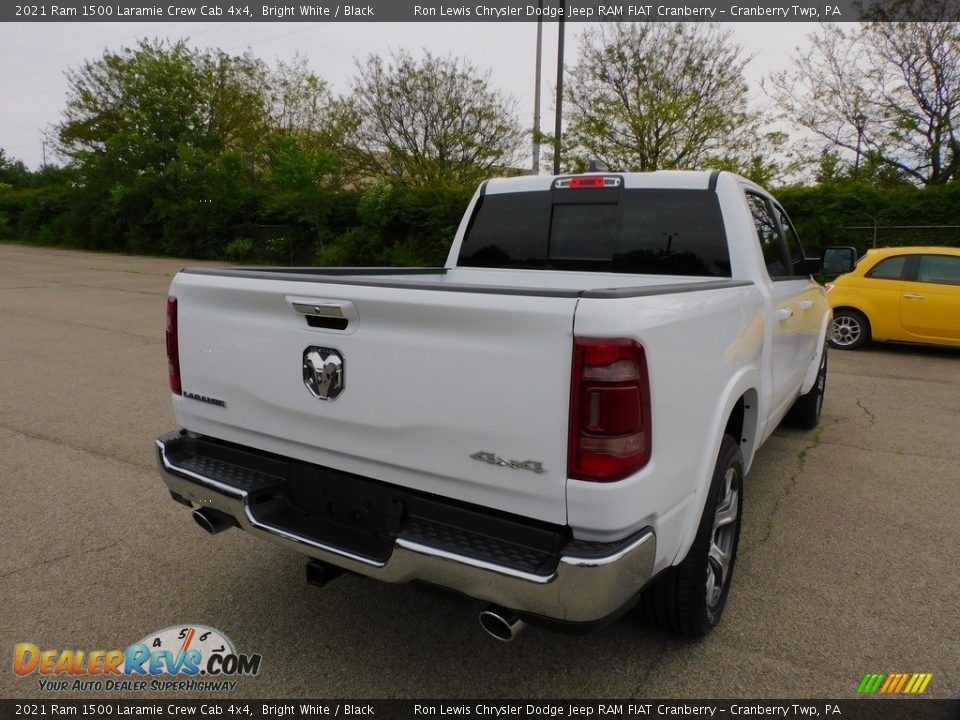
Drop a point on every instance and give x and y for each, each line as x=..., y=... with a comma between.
x=326, y=314
x=320, y=309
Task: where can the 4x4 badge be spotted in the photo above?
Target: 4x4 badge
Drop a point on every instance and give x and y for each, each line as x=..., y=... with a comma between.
x=494, y=459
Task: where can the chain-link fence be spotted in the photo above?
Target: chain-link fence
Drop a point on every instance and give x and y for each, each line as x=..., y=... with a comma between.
x=864, y=237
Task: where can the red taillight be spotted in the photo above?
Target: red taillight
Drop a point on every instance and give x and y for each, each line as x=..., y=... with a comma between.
x=586, y=182
x=609, y=436
x=173, y=348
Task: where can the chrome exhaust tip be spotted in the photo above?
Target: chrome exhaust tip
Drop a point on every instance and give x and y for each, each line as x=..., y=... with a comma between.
x=213, y=521
x=501, y=624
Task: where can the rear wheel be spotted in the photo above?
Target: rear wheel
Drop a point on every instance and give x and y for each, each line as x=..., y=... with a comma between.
x=850, y=329
x=805, y=413
x=688, y=599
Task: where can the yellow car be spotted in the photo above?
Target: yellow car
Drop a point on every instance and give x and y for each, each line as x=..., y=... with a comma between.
x=908, y=294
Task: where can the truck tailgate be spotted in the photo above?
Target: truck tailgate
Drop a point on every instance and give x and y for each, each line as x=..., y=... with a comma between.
x=429, y=378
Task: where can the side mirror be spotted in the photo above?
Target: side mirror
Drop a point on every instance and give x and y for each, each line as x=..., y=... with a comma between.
x=838, y=260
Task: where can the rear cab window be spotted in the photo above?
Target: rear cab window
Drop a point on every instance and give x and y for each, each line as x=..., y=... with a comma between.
x=609, y=229
x=775, y=255
x=783, y=254
x=794, y=248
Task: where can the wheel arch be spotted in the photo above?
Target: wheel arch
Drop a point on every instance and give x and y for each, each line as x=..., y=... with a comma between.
x=737, y=410
x=854, y=308
x=742, y=424
x=811, y=377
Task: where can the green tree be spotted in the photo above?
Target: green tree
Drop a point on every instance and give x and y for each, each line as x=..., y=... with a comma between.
x=158, y=133
x=299, y=168
x=299, y=156
x=299, y=100
x=649, y=96
x=13, y=173
x=299, y=180
x=884, y=96
x=428, y=122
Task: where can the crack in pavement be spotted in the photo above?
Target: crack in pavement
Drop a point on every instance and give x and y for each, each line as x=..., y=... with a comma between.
x=24, y=354
x=870, y=415
x=769, y=653
x=75, y=448
x=878, y=451
x=58, y=558
x=153, y=293
x=791, y=484
x=891, y=376
x=662, y=646
x=155, y=273
x=60, y=319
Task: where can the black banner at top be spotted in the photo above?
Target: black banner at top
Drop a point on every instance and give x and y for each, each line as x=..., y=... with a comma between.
x=479, y=10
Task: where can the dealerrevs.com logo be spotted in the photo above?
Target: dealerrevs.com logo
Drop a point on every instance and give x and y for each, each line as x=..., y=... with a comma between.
x=185, y=658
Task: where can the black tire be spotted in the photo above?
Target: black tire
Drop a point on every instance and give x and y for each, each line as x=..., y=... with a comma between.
x=688, y=599
x=805, y=413
x=850, y=329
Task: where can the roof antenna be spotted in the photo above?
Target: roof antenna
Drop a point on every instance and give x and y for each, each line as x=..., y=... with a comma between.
x=597, y=166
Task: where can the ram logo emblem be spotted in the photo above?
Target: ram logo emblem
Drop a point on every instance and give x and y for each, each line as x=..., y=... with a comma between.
x=494, y=459
x=323, y=372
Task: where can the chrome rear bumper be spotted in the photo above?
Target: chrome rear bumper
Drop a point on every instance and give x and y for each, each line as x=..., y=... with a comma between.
x=591, y=581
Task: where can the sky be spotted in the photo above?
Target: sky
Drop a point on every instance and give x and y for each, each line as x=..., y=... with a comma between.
x=34, y=56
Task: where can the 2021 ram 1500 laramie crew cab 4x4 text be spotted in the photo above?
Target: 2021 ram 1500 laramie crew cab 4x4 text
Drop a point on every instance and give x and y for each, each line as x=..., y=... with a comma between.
x=558, y=422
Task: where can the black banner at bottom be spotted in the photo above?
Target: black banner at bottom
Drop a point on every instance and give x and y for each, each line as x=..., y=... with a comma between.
x=864, y=709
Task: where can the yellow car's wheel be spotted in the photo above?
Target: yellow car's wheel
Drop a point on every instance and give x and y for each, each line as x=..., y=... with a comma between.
x=850, y=329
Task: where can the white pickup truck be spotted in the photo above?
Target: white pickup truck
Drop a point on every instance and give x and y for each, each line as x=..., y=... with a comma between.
x=557, y=423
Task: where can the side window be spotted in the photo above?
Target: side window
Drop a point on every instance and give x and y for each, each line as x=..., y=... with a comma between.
x=793, y=242
x=941, y=269
x=889, y=269
x=771, y=243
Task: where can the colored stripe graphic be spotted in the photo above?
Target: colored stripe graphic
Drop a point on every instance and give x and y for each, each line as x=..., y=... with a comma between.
x=871, y=682
x=903, y=680
x=908, y=683
x=895, y=683
x=918, y=683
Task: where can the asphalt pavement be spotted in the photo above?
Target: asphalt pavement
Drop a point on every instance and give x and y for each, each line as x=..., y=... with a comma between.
x=849, y=560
